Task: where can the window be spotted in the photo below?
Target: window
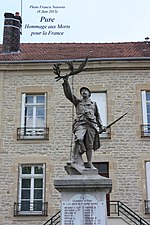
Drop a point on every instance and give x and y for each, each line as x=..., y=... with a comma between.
x=33, y=117
x=147, y=202
x=31, y=190
x=103, y=168
x=101, y=100
x=145, y=127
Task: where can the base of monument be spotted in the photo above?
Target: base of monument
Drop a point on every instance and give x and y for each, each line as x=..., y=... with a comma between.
x=76, y=169
x=83, y=199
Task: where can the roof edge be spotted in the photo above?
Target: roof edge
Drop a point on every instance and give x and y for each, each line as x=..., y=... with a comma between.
x=76, y=60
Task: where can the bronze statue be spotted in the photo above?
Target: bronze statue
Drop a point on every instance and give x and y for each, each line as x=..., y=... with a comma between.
x=87, y=125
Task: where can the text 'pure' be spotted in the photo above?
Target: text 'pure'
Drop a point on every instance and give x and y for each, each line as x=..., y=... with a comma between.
x=44, y=19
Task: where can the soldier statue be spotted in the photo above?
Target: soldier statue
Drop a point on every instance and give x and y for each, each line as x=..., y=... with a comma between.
x=87, y=124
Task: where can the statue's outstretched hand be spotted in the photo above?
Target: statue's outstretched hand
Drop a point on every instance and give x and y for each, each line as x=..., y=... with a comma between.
x=102, y=129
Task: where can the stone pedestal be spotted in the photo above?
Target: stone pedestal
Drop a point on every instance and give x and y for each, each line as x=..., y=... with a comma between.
x=83, y=199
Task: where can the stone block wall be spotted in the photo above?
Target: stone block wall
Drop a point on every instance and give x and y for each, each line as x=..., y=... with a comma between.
x=126, y=151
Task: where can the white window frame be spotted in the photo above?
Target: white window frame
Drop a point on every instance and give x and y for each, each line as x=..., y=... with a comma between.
x=145, y=113
x=31, y=176
x=29, y=133
x=147, y=167
x=144, y=109
x=148, y=179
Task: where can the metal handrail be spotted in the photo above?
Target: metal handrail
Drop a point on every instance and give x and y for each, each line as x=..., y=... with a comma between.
x=54, y=220
x=128, y=213
x=119, y=208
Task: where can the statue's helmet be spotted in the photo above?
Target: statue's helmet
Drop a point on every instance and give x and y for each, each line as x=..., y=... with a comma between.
x=86, y=89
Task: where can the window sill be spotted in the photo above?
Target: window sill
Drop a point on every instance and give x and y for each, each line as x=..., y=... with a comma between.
x=32, y=138
x=24, y=214
x=30, y=212
x=33, y=133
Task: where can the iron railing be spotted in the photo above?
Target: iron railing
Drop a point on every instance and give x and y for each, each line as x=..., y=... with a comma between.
x=120, y=209
x=26, y=133
x=40, y=209
x=145, y=130
x=116, y=208
x=54, y=220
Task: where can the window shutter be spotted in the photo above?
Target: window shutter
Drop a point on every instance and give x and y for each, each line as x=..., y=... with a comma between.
x=45, y=110
x=144, y=109
x=44, y=171
x=148, y=179
x=19, y=183
x=23, y=110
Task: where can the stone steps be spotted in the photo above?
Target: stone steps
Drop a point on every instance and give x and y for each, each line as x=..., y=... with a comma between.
x=116, y=221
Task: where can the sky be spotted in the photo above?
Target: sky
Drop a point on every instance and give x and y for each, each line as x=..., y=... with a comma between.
x=88, y=21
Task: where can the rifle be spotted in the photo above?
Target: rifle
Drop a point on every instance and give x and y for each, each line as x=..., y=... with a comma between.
x=105, y=129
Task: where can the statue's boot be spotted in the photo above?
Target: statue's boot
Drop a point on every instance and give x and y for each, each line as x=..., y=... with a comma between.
x=89, y=159
x=77, y=156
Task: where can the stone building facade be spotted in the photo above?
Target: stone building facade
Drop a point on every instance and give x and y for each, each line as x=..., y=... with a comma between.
x=36, y=125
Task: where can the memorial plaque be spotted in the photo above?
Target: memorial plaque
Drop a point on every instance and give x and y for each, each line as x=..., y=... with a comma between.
x=83, y=209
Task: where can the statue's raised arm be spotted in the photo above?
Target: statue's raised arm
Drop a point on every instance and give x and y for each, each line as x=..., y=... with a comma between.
x=68, y=92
